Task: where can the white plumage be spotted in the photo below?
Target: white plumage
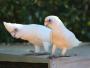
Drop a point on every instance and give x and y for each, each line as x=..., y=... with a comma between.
x=36, y=34
x=61, y=37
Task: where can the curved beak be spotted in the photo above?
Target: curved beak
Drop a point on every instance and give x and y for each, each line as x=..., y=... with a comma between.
x=46, y=23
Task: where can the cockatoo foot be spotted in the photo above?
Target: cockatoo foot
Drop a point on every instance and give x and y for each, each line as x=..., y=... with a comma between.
x=68, y=55
x=31, y=51
x=53, y=57
x=65, y=56
x=38, y=54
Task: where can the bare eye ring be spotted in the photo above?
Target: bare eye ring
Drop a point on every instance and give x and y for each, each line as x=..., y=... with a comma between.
x=15, y=29
x=49, y=20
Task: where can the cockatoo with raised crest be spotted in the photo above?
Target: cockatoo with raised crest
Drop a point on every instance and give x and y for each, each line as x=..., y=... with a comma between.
x=38, y=35
x=61, y=37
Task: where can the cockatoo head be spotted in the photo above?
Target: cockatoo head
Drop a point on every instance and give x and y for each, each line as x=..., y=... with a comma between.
x=12, y=28
x=9, y=26
x=52, y=21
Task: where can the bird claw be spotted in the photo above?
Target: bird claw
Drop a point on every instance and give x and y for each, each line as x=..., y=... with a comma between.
x=68, y=55
x=32, y=51
x=65, y=56
x=53, y=56
x=38, y=54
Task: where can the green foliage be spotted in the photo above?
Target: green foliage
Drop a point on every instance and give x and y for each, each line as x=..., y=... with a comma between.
x=74, y=13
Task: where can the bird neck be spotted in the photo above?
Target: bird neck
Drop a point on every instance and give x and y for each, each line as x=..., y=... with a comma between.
x=58, y=27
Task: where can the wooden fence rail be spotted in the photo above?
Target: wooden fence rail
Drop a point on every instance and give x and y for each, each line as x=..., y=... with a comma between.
x=81, y=59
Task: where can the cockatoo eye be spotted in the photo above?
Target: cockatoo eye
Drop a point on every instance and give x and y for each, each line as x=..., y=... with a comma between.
x=16, y=30
x=49, y=20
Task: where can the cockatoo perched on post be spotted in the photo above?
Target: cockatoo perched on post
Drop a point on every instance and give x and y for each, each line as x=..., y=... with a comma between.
x=61, y=37
x=38, y=35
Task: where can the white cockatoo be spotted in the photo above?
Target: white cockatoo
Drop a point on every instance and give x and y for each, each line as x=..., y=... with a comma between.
x=61, y=37
x=38, y=35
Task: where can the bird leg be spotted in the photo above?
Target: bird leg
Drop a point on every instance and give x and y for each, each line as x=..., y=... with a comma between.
x=64, y=50
x=46, y=46
x=37, y=48
x=53, y=49
x=63, y=53
x=53, y=52
x=37, y=51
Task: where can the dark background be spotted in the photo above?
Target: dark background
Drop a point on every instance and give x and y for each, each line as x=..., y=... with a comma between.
x=75, y=14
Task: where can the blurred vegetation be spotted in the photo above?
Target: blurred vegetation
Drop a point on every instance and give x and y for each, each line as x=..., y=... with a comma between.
x=74, y=13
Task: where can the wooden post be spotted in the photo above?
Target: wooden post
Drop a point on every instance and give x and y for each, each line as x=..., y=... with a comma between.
x=72, y=62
